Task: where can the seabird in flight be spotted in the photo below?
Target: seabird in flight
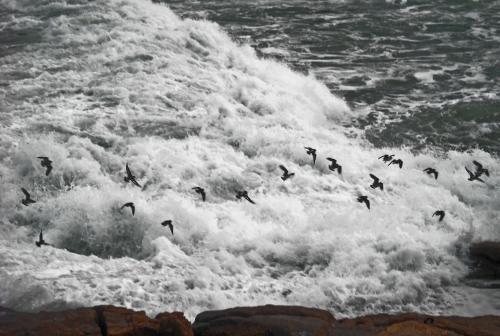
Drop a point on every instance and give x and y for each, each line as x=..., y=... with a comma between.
x=40, y=241
x=286, y=174
x=439, y=213
x=364, y=199
x=244, y=194
x=130, y=177
x=398, y=162
x=334, y=165
x=201, y=191
x=131, y=206
x=430, y=171
x=168, y=223
x=311, y=151
x=46, y=163
x=27, y=200
x=473, y=177
x=376, y=183
x=386, y=157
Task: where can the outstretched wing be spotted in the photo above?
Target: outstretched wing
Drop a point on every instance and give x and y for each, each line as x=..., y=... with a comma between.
x=49, y=169
x=285, y=171
x=468, y=171
x=129, y=173
x=314, y=157
x=203, y=195
x=135, y=182
x=367, y=202
x=400, y=162
x=478, y=165
x=381, y=157
x=27, y=194
x=41, y=236
x=339, y=169
x=375, y=179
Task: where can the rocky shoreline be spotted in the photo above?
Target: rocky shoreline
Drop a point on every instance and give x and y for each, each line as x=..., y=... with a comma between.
x=243, y=321
x=266, y=320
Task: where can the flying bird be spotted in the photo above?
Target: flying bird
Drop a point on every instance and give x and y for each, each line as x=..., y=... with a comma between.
x=473, y=177
x=311, y=151
x=286, y=175
x=27, y=199
x=398, y=162
x=376, y=183
x=480, y=169
x=430, y=171
x=201, y=191
x=131, y=205
x=244, y=194
x=334, y=165
x=168, y=223
x=40, y=241
x=386, y=157
x=364, y=199
x=439, y=213
x=130, y=177
x=45, y=163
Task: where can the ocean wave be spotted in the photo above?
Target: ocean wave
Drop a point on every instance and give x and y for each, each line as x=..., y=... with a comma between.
x=116, y=82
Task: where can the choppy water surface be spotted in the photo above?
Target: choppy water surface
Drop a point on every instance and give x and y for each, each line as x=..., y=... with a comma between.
x=421, y=72
x=94, y=85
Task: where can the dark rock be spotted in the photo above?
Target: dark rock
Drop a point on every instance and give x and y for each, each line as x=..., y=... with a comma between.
x=264, y=321
x=97, y=321
x=485, y=258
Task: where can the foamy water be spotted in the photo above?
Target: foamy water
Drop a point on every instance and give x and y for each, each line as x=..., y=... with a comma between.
x=97, y=85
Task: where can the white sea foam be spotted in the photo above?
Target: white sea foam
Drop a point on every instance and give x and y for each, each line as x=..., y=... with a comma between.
x=128, y=81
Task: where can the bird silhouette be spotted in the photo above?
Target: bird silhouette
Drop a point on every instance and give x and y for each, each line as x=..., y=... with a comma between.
x=398, y=162
x=480, y=170
x=130, y=177
x=430, y=171
x=376, y=183
x=311, y=151
x=201, y=191
x=364, y=199
x=286, y=175
x=244, y=194
x=473, y=176
x=439, y=213
x=168, y=223
x=386, y=157
x=334, y=165
x=131, y=205
x=46, y=163
x=40, y=241
x=27, y=198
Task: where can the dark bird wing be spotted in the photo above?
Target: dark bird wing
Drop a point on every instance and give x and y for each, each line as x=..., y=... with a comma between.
x=169, y=224
x=40, y=237
x=27, y=194
x=436, y=174
x=400, y=162
x=203, y=195
x=249, y=199
x=381, y=157
x=285, y=171
x=427, y=170
x=339, y=169
x=49, y=169
x=375, y=179
x=314, y=157
x=471, y=175
x=478, y=165
x=367, y=202
x=129, y=173
x=134, y=181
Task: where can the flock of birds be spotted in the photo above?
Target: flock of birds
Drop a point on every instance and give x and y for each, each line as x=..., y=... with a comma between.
x=333, y=166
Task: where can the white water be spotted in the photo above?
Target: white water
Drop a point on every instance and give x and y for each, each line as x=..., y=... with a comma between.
x=112, y=82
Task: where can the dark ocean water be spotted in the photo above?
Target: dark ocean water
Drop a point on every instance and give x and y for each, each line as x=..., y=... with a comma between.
x=420, y=72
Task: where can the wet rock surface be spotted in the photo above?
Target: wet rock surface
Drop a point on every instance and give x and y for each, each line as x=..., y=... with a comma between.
x=242, y=321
